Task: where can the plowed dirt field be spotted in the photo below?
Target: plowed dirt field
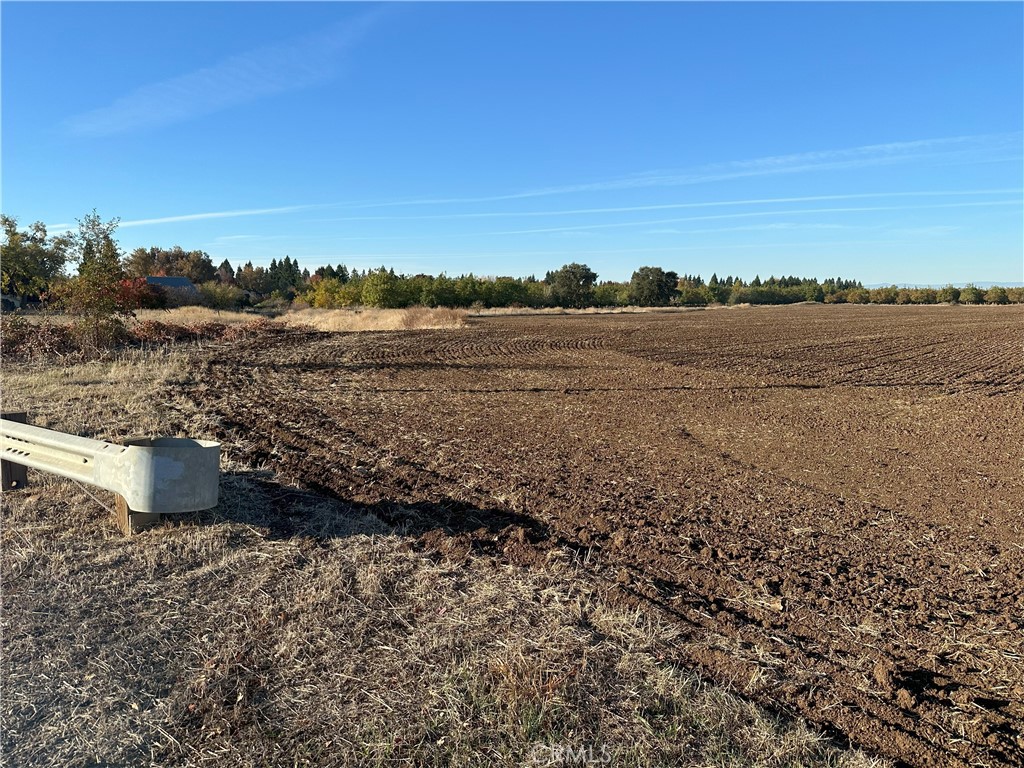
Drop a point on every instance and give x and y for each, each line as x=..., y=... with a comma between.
x=828, y=499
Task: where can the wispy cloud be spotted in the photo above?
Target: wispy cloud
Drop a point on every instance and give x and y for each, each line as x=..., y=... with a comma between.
x=57, y=229
x=938, y=230
x=954, y=149
x=292, y=64
x=747, y=214
x=678, y=206
x=286, y=209
x=216, y=215
x=777, y=226
x=588, y=229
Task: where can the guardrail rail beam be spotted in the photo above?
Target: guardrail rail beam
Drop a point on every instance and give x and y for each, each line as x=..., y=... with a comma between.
x=152, y=476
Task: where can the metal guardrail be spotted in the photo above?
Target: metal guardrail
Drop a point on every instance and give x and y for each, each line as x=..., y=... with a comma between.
x=150, y=475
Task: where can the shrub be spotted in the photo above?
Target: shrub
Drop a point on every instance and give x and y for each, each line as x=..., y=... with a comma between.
x=996, y=295
x=886, y=295
x=925, y=296
x=136, y=293
x=155, y=332
x=220, y=296
x=256, y=327
x=94, y=335
x=381, y=289
x=205, y=330
x=698, y=297
x=22, y=340
x=971, y=294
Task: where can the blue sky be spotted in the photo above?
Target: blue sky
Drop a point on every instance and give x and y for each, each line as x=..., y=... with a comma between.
x=877, y=141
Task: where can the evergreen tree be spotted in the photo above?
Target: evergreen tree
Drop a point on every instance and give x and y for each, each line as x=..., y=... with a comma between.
x=226, y=273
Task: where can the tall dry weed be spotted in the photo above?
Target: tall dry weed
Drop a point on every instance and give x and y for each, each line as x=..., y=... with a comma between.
x=194, y=316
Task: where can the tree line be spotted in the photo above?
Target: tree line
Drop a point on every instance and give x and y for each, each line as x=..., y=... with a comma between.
x=37, y=266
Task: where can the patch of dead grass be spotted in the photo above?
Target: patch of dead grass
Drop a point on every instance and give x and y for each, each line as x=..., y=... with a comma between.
x=412, y=318
x=119, y=396
x=188, y=315
x=194, y=316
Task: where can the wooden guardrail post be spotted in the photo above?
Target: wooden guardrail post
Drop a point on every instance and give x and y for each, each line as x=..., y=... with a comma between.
x=131, y=522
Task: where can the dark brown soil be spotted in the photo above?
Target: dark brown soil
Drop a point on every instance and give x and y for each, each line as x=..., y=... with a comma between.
x=828, y=499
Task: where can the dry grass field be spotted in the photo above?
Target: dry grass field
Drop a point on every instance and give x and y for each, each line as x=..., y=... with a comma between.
x=413, y=318
x=668, y=539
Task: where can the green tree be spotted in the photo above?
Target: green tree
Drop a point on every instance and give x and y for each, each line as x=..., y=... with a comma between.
x=573, y=286
x=226, y=273
x=652, y=287
x=197, y=266
x=220, y=296
x=29, y=260
x=253, y=279
x=469, y=290
x=285, y=275
x=971, y=294
x=439, y=292
x=610, y=294
x=381, y=289
x=858, y=295
x=950, y=294
x=719, y=291
x=538, y=294
x=323, y=293
x=94, y=247
x=507, y=291
x=885, y=295
x=996, y=295
x=813, y=292
x=95, y=293
x=925, y=295
x=142, y=262
x=698, y=296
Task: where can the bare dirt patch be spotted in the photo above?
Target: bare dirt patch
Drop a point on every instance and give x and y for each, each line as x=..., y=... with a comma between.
x=824, y=500
x=287, y=627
